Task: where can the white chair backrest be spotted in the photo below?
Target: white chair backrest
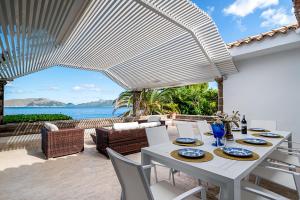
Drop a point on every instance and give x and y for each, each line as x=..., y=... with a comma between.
x=203, y=126
x=131, y=177
x=266, y=124
x=185, y=130
x=157, y=135
x=154, y=118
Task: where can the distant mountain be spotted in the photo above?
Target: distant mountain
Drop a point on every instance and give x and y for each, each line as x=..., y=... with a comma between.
x=32, y=102
x=100, y=102
x=43, y=102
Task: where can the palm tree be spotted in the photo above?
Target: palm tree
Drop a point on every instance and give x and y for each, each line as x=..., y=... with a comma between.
x=151, y=102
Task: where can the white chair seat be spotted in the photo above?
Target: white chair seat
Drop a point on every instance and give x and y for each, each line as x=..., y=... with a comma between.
x=251, y=196
x=285, y=158
x=278, y=177
x=164, y=191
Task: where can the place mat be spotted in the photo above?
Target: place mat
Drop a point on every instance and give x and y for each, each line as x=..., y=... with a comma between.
x=259, y=131
x=207, y=157
x=240, y=141
x=219, y=152
x=208, y=134
x=197, y=143
x=258, y=135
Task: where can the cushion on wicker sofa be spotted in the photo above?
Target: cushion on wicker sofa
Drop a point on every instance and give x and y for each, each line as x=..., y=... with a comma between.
x=149, y=124
x=126, y=126
x=50, y=126
x=154, y=118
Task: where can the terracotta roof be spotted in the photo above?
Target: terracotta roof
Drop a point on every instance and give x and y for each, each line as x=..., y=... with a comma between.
x=297, y=9
x=262, y=36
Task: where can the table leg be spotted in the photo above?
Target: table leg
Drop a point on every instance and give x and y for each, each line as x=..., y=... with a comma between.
x=231, y=190
x=290, y=144
x=146, y=160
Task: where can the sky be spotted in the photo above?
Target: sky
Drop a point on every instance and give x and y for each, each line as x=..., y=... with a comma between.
x=235, y=19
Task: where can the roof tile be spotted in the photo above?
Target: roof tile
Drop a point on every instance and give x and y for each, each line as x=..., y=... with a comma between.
x=262, y=36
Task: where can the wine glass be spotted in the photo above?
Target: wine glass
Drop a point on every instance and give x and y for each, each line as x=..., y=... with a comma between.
x=218, y=131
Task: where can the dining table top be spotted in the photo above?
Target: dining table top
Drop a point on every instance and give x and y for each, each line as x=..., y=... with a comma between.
x=222, y=167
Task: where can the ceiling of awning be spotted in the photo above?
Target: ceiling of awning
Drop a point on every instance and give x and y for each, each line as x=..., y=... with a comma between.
x=137, y=43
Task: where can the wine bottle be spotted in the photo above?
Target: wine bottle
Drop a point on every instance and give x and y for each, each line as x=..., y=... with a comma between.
x=244, y=125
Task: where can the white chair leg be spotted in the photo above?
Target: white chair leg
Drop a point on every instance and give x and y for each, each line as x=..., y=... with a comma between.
x=155, y=173
x=203, y=194
x=247, y=178
x=257, y=180
x=173, y=179
x=219, y=195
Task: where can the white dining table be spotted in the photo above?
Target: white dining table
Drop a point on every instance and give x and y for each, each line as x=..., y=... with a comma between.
x=225, y=173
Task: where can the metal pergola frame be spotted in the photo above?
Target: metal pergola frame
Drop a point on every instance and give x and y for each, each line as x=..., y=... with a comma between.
x=137, y=43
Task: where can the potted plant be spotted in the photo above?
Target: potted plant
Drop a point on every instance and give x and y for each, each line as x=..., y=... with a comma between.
x=228, y=120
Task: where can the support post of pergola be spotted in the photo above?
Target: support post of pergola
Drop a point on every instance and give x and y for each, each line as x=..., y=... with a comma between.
x=2, y=84
x=135, y=102
x=220, y=94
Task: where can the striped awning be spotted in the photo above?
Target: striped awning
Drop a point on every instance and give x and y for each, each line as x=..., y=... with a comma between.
x=137, y=43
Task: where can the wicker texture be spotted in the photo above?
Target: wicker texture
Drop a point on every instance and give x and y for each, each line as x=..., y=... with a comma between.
x=122, y=141
x=62, y=142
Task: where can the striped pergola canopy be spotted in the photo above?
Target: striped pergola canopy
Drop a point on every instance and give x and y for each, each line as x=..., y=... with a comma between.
x=137, y=43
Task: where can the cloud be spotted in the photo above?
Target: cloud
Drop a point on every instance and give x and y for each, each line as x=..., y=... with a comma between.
x=53, y=88
x=210, y=10
x=240, y=25
x=277, y=17
x=9, y=84
x=242, y=8
x=86, y=87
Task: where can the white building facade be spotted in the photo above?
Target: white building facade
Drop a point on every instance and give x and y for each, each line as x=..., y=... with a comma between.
x=267, y=86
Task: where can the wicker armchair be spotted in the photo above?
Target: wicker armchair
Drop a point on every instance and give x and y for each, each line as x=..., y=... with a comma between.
x=62, y=142
x=122, y=141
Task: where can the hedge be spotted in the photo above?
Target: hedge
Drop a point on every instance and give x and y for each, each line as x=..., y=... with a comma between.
x=34, y=118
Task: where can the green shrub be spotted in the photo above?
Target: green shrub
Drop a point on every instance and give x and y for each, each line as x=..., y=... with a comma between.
x=34, y=118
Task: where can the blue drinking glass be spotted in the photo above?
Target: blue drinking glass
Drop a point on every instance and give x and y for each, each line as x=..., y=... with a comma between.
x=218, y=131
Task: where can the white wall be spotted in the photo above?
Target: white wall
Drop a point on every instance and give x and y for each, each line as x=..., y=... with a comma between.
x=267, y=88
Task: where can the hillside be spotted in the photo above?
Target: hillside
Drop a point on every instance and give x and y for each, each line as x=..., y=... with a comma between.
x=100, y=102
x=43, y=102
x=32, y=102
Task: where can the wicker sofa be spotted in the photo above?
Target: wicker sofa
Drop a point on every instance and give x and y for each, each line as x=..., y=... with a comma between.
x=62, y=142
x=122, y=141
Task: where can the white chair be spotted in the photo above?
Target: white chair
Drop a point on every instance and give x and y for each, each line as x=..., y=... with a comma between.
x=185, y=130
x=203, y=127
x=273, y=172
x=155, y=136
x=289, y=158
x=255, y=192
x=136, y=187
x=266, y=124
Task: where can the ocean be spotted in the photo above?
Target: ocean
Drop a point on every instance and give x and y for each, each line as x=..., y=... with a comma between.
x=74, y=112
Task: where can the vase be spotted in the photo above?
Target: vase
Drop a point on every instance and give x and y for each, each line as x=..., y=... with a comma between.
x=228, y=131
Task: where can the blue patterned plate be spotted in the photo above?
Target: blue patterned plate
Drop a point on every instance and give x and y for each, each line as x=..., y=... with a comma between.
x=271, y=135
x=185, y=140
x=254, y=141
x=238, y=152
x=191, y=153
x=257, y=129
